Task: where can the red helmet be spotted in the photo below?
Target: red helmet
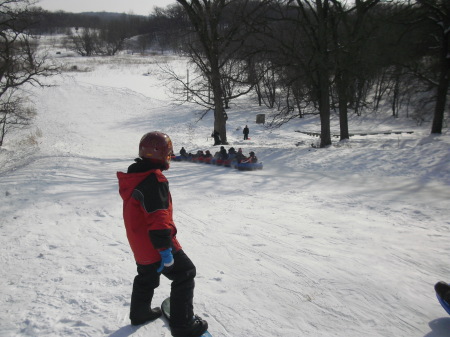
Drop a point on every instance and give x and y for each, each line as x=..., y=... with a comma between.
x=156, y=147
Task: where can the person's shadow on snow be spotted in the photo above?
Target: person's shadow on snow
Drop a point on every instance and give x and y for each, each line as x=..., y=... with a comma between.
x=125, y=331
x=440, y=327
x=128, y=330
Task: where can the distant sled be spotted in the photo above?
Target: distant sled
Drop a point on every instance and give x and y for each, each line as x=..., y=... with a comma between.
x=444, y=304
x=249, y=166
x=442, y=289
x=227, y=163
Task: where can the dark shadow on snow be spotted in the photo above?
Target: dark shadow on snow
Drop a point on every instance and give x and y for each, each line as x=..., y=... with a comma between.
x=440, y=327
x=128, y=330
x=125, y=331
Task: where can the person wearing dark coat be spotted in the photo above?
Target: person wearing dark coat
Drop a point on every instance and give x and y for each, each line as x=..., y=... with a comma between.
x=240, y=156
x=246, y=132
x=231, y=153
x=216, y=136
x=252, y=159
x=183, y=152
x=223, y=153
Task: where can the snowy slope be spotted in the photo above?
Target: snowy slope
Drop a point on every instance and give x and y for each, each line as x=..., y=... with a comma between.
x=345, y=241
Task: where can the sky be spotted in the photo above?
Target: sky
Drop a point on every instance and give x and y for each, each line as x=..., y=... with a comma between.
x=141, y=7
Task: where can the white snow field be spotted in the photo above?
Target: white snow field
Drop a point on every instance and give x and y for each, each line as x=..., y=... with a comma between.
x=345, y=241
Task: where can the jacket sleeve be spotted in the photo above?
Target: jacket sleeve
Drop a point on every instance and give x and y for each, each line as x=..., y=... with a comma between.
x=154, y=197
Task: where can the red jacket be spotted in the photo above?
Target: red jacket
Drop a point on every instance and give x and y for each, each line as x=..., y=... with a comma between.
x=147, y=213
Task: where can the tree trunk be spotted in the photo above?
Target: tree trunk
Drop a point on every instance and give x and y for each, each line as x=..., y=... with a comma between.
x=324, y=109
x=204, y=16
x=342, y=86
x=443, y=86
x=343, y=120
x=220, y=119
x=323, y=73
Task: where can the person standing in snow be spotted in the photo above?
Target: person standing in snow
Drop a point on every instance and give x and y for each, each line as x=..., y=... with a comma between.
x=216, y=135
x=246, y=132
x=151, y=232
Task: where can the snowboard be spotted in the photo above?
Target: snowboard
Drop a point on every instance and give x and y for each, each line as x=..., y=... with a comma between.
x=444, y=304
x=165, y=307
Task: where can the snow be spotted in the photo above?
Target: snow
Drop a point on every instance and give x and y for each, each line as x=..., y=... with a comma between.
x=343, y=241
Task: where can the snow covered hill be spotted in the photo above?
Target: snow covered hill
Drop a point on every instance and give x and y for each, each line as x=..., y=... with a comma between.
x=344, y=241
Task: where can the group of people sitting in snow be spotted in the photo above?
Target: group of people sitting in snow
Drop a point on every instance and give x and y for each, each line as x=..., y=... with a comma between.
x=232, y=155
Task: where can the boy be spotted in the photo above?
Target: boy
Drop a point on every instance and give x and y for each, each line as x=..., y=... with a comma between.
x=151, y=232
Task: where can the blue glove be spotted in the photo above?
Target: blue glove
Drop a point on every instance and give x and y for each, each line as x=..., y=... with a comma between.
x=166, y=261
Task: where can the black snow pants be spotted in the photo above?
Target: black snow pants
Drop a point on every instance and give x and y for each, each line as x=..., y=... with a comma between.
x=182, y=289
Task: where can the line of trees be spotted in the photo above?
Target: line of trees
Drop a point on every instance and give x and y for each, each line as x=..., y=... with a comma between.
x=316, y=57
x=319, y=56
x=104, y=33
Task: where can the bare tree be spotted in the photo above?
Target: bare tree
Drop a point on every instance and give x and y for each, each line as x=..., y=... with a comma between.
x=438, y=12
x=85, y=41
x=220, y=30
x=205, y=17
x=311, y=18
x=169, y=27
x=19, y=63
x=112, y=37
x=349, y=38
x=14, y=113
